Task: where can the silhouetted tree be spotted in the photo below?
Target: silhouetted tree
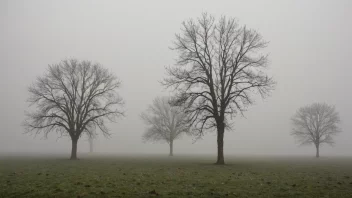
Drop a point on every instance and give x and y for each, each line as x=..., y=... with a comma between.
x=165, y=123
x=72, y=98
x=315, y=124
x=218, y=69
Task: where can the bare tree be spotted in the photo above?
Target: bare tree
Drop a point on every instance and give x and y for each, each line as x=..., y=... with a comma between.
x=74, y=98
x=218, y=69
x=315, y=124
x=165, y=123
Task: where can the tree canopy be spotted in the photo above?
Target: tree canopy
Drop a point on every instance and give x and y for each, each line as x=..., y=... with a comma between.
x=72, y=98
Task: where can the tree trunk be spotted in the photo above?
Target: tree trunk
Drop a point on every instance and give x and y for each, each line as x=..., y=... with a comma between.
x=91, y=145
x=171, y=148
x=74, y=149
x=220, y=140
x=317, y=153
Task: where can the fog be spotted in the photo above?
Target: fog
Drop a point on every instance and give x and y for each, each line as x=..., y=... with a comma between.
x=309, y=51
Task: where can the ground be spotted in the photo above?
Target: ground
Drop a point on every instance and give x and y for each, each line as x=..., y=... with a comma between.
x=192, y=176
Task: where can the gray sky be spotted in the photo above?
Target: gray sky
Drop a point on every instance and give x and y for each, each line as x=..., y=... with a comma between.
x=310, y=48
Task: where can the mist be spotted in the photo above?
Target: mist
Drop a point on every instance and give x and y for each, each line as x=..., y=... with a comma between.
x=309, y=51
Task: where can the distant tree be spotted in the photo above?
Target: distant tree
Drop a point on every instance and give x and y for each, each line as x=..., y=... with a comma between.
x=219, y=68
x=315, y=124
x=74, y=98
x=91, y=144
x=166, y=123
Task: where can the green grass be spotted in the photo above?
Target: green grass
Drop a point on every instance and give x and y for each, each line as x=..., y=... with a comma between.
x=175, y=177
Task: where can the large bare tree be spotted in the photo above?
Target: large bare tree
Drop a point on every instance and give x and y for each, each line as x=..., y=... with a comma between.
x=315, y=124
x=74, y=98
x=166, y=123
x=219, y=68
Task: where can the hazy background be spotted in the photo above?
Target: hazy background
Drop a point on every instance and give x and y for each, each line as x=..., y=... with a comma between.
x=310, y=52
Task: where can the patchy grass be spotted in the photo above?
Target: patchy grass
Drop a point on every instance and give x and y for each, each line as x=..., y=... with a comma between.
x=175, y=177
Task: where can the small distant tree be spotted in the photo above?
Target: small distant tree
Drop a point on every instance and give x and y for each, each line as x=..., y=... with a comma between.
x=91, y=144
x=74, y=98
x=166, y=123
x=316, y=124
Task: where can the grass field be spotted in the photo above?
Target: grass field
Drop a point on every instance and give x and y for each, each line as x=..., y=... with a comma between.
x=138, y=176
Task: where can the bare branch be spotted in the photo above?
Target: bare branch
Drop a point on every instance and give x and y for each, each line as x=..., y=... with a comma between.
x=218, y=70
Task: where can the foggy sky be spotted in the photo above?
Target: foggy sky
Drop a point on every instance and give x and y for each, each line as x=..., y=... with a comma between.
x=310, y=50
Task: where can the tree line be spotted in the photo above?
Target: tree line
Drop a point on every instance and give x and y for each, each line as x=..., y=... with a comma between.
x=219, y=69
